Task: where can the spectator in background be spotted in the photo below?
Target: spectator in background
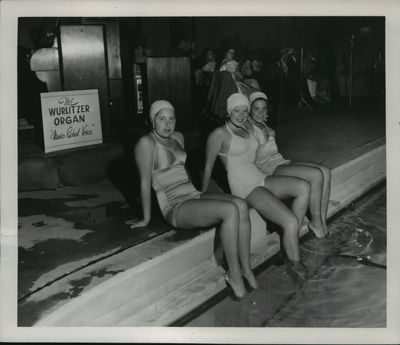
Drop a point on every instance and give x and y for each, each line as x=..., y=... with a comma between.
x=318, y=85
x=204, y=68
x=289, y=64
x=229, y=55
x=246, y=69
x=207, y=66
x=251, y=71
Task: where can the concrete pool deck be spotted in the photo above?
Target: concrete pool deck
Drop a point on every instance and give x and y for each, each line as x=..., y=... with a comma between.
x=80, y=264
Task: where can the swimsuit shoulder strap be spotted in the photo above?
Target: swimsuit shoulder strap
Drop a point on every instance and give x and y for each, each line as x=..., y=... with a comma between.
x=154, y=138
x=229, y=130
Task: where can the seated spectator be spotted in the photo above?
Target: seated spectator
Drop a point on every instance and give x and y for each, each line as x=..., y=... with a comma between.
x=203, y=74
x=248, y=73
x=225, y=82
x=318, y=85
x=229, y=55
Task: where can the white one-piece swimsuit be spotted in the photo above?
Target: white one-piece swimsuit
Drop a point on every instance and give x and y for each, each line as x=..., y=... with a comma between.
x=243, y=174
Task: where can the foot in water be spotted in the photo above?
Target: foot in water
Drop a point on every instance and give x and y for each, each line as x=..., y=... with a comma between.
x=326, y=229
x=318, y=231
x=296, y=270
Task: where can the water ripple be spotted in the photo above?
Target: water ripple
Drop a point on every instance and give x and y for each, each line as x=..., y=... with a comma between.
x=343, y=240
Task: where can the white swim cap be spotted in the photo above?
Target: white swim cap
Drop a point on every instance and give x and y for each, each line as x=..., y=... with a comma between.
x=257, y=94
x=235, y=100
x=157, y=106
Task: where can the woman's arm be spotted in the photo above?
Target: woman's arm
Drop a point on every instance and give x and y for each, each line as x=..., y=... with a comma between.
x=213, y=147
x=271, y=132
x=143, y=157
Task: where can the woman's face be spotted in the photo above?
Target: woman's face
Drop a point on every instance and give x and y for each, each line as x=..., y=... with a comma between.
x=239, y=115
x=164, y=123
x=232, y=66
x=259, y=110
x=230, y=54
x=210, y=56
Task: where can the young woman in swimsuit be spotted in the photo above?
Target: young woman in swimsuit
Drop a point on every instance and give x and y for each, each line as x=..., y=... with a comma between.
x=236, y=146
x=271, y=162
x=160, y=158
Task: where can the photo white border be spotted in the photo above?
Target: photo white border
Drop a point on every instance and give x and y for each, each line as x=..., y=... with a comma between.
x=12, y=9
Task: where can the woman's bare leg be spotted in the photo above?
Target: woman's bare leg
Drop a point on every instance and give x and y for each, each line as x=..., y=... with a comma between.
x=326, y=192
x=244, y=233
x=197, y=213
x=291, y=187
x=270, y=207
x=316, y=179
x=326, y=189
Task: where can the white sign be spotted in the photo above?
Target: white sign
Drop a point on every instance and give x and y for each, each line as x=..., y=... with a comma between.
x=71, y=119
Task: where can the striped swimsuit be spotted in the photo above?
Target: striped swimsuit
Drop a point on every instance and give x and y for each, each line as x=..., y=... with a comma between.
x=268, y=158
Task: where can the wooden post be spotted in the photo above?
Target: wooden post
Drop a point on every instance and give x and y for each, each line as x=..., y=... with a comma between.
x=82, y=50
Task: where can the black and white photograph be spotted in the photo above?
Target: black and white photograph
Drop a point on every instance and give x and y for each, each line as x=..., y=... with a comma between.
x=199, y=173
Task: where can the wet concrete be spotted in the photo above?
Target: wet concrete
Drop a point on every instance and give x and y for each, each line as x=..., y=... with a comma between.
x=30, y=310
x=58, y=235
x=347, y=287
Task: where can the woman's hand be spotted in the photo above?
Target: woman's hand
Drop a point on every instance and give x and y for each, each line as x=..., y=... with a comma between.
x=137, y=223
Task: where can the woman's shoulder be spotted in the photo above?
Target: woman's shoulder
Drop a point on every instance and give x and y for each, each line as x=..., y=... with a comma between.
x=253, y=128
x=218, y=136
x=220, y=132
x=145, y=142
x=249, y=125
x=178, y=136
x=265, y=130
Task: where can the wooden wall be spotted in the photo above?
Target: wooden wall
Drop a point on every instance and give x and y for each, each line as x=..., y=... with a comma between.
x=169, y=78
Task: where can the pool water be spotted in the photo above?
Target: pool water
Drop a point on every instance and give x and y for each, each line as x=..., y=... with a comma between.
x=347, y=284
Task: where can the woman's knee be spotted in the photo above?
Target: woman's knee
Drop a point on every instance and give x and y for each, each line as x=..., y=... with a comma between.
x=291, y=224
x=241, y=205
x=228, y=210
x=317, y=176
x=303, y=188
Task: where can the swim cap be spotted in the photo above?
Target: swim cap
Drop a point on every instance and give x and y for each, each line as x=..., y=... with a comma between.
x=257, y=94
x=157, y=106
x=235, y=100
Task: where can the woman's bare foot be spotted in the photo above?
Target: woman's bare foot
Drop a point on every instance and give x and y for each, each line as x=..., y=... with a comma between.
x=318, y=230
x=237, y=287
x=251, y=281
x=296, y=270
